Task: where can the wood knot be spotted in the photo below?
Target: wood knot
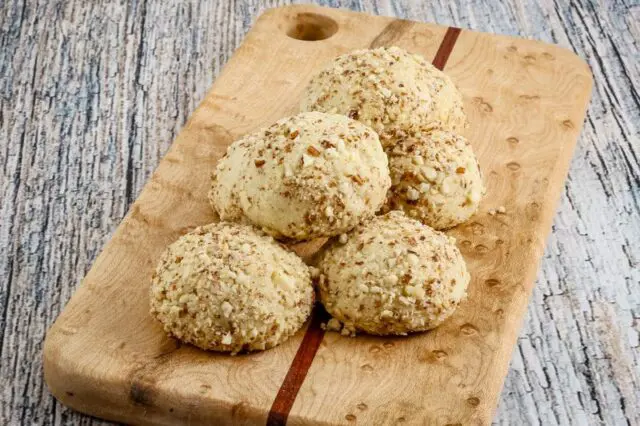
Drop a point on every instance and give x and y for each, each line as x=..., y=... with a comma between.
x=512, y=48
x=362, y=406
x=529, y=97
x=499, y=313
x=141, y=394
x=401, y=419
x=568, y=124
x=513, y=140
x=548, y=56
x=533, y=211
x=482, y=104
x=530, y=58
x=476, y=228
x=388, y=345
x=367, y=367
x=433, y=357
x=513, y=166
x=465, y=243
x=481, y=249
x=439, y=355
x=374, y=349
x=492, y=282
x=473, y=401
x=499, y=242
x=468, y=329
x=350, y=417
x=67, y=331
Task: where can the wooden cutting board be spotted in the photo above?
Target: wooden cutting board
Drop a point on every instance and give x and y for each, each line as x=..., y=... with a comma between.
x=526, y=102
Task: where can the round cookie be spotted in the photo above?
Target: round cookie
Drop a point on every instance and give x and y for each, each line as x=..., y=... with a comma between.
x=393, y=275
x=387, y=89
x=227, y=287
x=307, y=176
x=435, y=177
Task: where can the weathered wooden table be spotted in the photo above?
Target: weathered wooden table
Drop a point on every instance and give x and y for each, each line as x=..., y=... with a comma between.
x=93, y=94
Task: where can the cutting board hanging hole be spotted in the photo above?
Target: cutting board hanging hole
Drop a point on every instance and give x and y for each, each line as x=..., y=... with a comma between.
x=312, y=27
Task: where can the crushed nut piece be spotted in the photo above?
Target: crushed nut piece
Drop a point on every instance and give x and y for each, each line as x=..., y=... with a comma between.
x=334, y=325
x=227, y=339
x=390, y=280
x=357, y=179
x=328, y=211
x=226, y=309
x=313, y=152
x=315, y=272
x=412, y=194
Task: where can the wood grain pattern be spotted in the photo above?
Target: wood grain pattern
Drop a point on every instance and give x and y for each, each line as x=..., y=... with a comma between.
x=286, y=396
x=315, y=333
x=89, y=104
x=513, y=89
x=106, y=356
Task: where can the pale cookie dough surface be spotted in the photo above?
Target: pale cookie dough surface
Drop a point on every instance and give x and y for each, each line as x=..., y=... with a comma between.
x=307, y=176
x=393, y=275
x=228, y=287
x=435, y=177
x=387, y=89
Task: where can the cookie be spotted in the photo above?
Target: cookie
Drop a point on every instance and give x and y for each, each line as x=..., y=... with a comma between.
x=307, y=176
x=229, y=288
x=387, y=89
x=392, y=275
x=435, y=177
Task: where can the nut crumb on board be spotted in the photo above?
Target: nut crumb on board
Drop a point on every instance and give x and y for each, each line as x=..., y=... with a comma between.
x=499, y=210
x=335, y=325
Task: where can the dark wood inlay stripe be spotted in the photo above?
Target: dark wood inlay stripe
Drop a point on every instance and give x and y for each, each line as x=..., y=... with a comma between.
x=449, y=40
x=299, y=366
x=313, y=336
